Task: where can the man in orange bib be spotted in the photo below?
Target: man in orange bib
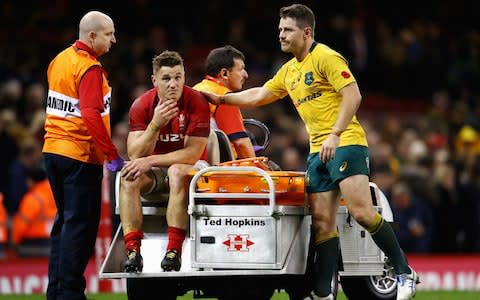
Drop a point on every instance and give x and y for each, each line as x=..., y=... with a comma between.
x=77, y=142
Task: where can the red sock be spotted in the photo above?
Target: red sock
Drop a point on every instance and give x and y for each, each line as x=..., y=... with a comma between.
x=176, y=236
x=133, y=241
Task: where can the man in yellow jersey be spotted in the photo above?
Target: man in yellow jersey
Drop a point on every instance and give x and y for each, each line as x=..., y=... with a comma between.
x=225, y=72
x=77, y=143
x=326, y=96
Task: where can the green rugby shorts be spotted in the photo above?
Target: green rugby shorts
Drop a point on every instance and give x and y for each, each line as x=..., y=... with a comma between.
x=348, y=161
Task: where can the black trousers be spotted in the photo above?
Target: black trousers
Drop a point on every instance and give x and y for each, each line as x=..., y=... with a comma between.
x=76, y=187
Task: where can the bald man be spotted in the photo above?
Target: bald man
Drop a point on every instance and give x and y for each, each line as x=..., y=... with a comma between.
x=77, y=143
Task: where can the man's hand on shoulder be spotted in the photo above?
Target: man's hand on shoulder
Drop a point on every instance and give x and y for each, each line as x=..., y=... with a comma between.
x=213, y=98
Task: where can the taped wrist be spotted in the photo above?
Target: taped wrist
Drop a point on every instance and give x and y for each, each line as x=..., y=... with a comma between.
x=153, y=126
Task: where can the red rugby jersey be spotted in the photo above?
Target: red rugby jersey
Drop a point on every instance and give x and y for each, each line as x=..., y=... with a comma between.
x=193, y=119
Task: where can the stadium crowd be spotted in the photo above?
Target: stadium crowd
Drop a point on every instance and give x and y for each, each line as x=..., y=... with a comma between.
x=421, y=67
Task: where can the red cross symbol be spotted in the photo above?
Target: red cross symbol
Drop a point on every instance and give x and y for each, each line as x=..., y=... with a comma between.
x=238, y=242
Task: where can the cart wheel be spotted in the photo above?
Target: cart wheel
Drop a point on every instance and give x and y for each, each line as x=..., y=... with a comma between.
x=144, y=288
x=381, y=287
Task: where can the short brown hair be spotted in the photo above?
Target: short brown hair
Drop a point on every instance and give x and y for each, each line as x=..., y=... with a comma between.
x=222, y=57
x=302, y=14
x=166, y=58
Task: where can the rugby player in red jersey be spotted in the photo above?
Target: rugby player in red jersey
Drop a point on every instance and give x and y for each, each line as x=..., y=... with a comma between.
x=169, y=128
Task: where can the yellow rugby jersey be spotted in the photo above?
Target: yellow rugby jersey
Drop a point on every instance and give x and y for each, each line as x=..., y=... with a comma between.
x=313, y=86
x=65, y=132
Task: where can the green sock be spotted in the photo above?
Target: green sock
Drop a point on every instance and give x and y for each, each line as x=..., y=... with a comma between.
x=383, y=235
x=326, y=257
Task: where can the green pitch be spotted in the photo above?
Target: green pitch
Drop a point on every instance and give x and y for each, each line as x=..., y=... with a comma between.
x=421, y=295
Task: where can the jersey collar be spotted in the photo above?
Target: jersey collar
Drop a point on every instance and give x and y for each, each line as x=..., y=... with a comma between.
x=211, y=78
x=314, y=44
x=82, y=46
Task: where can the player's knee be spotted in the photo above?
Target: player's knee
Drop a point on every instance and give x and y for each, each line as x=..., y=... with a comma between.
x=363, y=215
x=127, y=184
x=177, y=172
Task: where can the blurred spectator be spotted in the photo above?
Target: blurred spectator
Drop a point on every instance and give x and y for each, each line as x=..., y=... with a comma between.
x=416, y=164
x=414, y=220
x=463, y=70
x=469, y=209
x=8, y=153
x=439, y=113
x=300, y=139
x=29, y=158
x=291, y=160
x=393, y=132
x=119, y=138
x=3, y=227
x=467, y=142
x=279, y=141
x=30, y=116
x=359, y=49
x=383, y=176
x=383, y=155
x=33, y=221
x=13, y=127
x=446, y=215
x=10, y=94
x=33, y=104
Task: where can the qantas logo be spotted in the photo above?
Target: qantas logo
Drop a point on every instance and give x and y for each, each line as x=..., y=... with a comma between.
x=307, y=98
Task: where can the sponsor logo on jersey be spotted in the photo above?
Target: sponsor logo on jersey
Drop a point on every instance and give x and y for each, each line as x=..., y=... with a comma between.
x=170, y=137
x=308, y=78
x=307, y=98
